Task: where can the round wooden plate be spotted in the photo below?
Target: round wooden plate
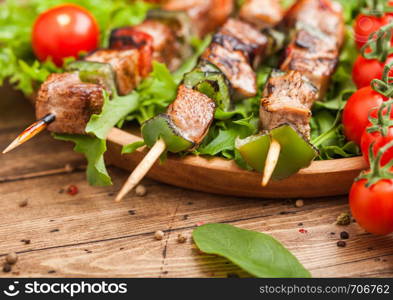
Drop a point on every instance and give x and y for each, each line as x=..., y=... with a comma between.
x=220, y=176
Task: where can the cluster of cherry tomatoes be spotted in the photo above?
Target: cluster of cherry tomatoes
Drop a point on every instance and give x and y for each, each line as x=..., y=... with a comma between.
x=368, y=121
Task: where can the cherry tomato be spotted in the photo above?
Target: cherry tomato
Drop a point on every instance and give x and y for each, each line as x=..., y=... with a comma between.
x=372, y=207
x=378, y=139
x=356, y=112
x=366, y=25
x=64, y=31
x=365, y=70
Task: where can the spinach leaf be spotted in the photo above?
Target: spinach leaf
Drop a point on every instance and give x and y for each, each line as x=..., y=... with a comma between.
x=257, y=253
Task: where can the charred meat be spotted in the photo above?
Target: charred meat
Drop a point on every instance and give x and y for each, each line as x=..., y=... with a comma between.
x=125, y=64
x=71, y=100
x=287, y=99
x=192, y=113
x=262, y=13
x=206, y=15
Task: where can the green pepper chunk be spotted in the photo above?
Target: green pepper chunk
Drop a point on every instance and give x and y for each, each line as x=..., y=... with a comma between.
x=95, y=72
x=296, y=152
x=209, y=80
x=162, y=127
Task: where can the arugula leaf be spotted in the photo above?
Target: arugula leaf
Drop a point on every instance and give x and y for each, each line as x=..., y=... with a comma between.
x=94, y=149
x=113, y=111
x=257, y=253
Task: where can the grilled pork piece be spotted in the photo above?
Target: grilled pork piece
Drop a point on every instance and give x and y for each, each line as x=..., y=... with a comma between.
x=125, y=64
x=72, y=101
x=287, y=99
x=233, y=50
x=192, y=113
x=206, y=15
x=262, y=13
x=311, y=59
x=130, y=38
x=166, y=47
x=315, y=48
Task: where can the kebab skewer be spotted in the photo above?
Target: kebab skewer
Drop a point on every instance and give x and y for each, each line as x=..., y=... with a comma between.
x=283, y=147
x=163, y=36
x=226, y=70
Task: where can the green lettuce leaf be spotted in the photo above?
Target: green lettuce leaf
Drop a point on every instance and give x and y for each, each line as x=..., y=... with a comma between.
x=93, y=149
x=17, y=60
x=259, y=254
x=113, y=111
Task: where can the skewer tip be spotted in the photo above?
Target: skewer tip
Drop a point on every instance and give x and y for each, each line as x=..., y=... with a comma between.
x=271, y=161
x=30, y=132
x=141, y=170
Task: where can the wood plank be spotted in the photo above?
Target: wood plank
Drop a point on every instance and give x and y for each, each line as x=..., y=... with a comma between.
x=167, y=207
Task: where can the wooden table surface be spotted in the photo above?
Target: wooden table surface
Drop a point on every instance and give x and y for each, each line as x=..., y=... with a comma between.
x=88, y=235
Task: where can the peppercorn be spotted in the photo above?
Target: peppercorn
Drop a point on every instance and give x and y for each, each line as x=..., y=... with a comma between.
x=343, y=219
x=159, y=235
x=344, y=235
x=7, y=268
x=299, y=203
x=181, y=238
x=72, y=190
x=341, y=244
x=140, y=190
x=23, y=203
x=11, y=258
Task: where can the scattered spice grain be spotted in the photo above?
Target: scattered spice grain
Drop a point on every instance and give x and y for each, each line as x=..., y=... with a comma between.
x=299, y=203
x=11, y=258
x=140, y=190
x=344, y=235
x=181, y=238
x=23, y=203
x=341, y=244
x=343, y=219
x=159, y=235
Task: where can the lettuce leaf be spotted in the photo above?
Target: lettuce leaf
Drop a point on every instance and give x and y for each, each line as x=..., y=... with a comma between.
x=17, y=60
x=93, y=149
x=113, y=111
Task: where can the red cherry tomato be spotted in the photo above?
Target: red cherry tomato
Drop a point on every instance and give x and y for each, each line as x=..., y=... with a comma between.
x=378, y=138
x=366, y=25
x=356, y=112
x=365, y=70
x=64, y=31
x=372, y=206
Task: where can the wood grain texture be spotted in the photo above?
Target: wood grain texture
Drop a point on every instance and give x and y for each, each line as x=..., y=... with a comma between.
x=220, y=176
x=88, y=235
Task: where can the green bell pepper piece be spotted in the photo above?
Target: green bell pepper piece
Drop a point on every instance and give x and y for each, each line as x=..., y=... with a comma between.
x=209, y=80
x=95, y=72
x=296, y=153
x=162, y=127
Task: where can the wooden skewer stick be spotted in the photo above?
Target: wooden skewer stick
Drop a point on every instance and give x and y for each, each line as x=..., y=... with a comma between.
x=30, y=132
x=271, y=161
x=141, y=170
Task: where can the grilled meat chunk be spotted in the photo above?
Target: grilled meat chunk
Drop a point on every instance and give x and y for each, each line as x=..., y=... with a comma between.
x=262, y=13
x=72, y=101
x=323, y=15
x=236, y=35
x=233, y=50
x=206, y=15
x=235, y=66
x=125, y=64
x=315, y=48
x=129, y=38
x=166, y=47
x=287, y=99
x=192, y=113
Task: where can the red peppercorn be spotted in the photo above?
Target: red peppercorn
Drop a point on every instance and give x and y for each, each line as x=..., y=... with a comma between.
x=72, y=190
x=303, y=230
